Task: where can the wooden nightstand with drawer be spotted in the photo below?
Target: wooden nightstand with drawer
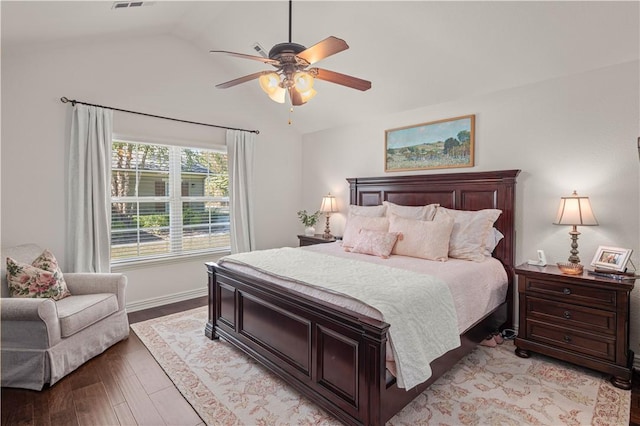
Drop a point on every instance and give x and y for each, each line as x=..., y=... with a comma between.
x=309, y=240
x=580, y=319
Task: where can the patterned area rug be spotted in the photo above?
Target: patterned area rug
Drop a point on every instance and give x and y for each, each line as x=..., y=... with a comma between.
x=490, y=386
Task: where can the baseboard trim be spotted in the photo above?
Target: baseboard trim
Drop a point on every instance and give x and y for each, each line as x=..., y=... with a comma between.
x=165, y=300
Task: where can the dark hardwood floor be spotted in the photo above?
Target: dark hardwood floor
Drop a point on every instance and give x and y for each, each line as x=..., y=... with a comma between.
x=126, y=386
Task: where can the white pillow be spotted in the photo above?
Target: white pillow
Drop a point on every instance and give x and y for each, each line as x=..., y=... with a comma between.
x=411, y=212
x=493, y=238
x=470, y=230
x=356, y=223
x=426, y=239
x=370, y=211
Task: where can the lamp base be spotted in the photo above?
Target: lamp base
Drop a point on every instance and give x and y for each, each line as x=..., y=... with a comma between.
x=574, y=246
x=327, y=231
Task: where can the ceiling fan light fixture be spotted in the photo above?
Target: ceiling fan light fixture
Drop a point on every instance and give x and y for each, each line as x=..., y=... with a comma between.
x=279, y=95
x=303, y=81
x=269, y=82
x=308, y=95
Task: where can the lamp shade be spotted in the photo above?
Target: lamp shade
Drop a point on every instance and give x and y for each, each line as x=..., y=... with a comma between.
x=328, y=204
x=270, y=84
x=308, y=95
x=575, y=210
x=278, y=96
x=303, y=81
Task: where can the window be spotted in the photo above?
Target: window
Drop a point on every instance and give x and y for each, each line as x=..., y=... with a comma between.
x=167, y=201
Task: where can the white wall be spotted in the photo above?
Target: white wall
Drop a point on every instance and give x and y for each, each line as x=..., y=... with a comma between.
x=159, y=75
x=578, y=132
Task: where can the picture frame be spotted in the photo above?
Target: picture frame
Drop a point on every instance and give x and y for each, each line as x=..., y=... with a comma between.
x=613, y=258
x=447, y=143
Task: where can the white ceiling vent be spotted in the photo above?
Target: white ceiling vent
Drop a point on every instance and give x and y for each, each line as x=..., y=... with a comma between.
x=128, y=4
x=256, y=46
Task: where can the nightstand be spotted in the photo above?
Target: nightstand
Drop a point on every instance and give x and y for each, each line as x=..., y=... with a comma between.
x=309, y=240
x=580, y=319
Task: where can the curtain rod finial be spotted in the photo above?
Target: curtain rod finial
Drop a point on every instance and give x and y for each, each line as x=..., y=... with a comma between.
x=65, y=100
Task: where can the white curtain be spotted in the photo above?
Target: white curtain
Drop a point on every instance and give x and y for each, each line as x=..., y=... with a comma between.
x=89, y=190
x=240, y=149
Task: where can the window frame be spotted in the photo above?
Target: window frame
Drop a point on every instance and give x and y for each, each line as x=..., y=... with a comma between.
x=175, y=202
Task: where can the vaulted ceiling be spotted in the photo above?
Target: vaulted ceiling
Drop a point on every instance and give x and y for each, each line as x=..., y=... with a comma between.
x=416, y=53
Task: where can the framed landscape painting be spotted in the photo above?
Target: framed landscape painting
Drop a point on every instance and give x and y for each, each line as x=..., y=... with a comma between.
x=436, y=145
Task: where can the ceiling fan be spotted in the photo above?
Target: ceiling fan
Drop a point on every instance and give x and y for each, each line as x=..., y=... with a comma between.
x=292, y=73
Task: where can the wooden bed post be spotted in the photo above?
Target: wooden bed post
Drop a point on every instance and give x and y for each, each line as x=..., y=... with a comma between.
x=374, y=379
x=209, y=329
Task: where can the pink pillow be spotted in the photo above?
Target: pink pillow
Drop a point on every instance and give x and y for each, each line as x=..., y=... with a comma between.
x=43, y=278
x=425, y=239
x=356, y=223
x=376, y=243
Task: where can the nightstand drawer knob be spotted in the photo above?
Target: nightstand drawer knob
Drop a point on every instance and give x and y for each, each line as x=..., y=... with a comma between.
x=567, y=314
x=567, y=339
x=566, y=291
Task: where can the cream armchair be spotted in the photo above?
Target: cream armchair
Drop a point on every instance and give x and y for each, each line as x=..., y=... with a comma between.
x=44, y=340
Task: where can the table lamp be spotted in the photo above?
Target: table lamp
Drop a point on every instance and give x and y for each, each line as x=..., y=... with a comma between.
x=327, y=207
x=575, y=210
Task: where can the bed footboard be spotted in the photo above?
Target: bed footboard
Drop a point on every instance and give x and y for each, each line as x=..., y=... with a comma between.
x=333, y=356
x=326, y=353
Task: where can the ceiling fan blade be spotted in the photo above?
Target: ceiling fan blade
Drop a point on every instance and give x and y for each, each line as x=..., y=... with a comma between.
x=343, y=79
x=240, y=80
x=325, y=48
x=296, y=98
x=242, y=55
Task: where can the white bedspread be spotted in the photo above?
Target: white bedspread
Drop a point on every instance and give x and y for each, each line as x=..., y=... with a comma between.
x=477, y=287
x=402, y=297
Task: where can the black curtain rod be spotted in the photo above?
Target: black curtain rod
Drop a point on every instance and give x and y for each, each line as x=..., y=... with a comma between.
x=74, y=102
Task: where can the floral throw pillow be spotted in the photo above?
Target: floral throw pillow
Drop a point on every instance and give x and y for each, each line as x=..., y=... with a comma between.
x=43, y=278
x=376, y=243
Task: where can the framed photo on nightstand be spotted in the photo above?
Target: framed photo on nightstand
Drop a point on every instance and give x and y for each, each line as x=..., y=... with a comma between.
x=613, y=258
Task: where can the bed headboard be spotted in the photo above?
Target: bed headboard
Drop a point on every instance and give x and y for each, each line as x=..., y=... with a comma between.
x=462, y=191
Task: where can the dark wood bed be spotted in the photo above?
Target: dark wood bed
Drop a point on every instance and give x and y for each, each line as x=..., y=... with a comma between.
x=337, y=357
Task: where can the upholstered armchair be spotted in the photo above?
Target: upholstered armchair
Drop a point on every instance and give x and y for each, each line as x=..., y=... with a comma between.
x=44, y=340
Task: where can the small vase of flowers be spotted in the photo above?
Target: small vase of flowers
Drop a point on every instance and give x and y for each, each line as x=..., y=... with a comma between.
x=308, y=220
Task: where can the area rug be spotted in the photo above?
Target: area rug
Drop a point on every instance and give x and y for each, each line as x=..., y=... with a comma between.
x=490, y=386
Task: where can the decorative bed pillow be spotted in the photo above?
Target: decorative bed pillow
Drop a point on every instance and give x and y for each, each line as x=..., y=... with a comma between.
x=370, y=211
x=410, y=212
x=493, y=238
x=426, y=239
x=470, y=230
x=43, y=278
x=356, y=223
x=376, y=243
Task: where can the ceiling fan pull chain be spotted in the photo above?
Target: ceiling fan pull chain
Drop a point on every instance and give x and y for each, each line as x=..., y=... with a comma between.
x=290, y=111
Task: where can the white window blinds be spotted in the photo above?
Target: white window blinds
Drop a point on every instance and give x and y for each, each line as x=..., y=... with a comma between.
x=167, y=201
